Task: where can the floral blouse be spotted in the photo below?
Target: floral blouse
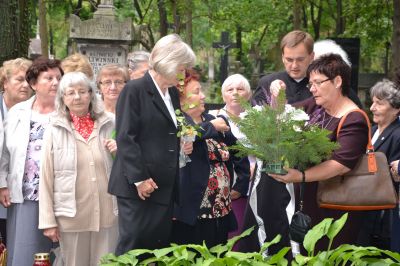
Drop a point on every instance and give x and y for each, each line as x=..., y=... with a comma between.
x=217, y=200
x=30, y=184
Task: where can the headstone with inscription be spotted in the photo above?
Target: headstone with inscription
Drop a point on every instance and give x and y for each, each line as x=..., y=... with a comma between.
x=103, y=39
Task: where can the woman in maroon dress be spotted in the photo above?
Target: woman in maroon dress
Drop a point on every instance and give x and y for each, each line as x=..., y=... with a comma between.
x=329, y=82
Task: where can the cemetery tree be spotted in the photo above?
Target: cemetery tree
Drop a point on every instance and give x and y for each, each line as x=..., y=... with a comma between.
x=43, y=29
x=14, y=36
x=396, y=36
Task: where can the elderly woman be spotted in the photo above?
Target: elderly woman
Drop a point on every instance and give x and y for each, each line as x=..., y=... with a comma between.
x=138, y=64
x=145, y=171
x=13, y=84
x=204, y=210
x=20, y=162
x=15, y=89
x=236, y=88
x=329, y=82
x=110, y=81
x=382, y=228
x=74, y=206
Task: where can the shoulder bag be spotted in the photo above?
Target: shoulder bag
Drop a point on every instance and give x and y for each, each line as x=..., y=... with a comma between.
x=367, y=187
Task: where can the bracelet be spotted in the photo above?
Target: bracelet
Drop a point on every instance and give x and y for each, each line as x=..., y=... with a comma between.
x=303, y=176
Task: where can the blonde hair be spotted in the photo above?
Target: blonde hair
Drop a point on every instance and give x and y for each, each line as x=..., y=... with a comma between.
x=9, y=67
x=169, y=53
x=112, y=69
x=77, y=62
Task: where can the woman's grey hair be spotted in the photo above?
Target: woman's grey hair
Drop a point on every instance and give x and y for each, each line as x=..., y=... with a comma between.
x=386, y=90
x=72, y=79
x=237, y=80
x=169, y=53
x=136, y=58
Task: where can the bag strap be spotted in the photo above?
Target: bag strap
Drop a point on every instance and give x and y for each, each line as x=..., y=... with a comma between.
x=372, y=166
x=302, y=188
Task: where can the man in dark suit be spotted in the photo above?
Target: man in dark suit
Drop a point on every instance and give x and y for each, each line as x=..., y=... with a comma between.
x=145, y=169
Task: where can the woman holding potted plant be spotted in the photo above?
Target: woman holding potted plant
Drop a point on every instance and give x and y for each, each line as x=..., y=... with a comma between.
x=329, y=83
x=204, y=210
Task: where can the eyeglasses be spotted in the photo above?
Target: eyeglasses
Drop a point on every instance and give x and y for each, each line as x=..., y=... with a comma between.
x=108, y=83
x=317, y=83
x=73, y=93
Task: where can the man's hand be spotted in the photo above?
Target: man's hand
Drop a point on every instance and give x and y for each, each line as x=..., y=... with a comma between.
x=52, y=233
x=276, y=86
x=5, y=197
x=146, y=188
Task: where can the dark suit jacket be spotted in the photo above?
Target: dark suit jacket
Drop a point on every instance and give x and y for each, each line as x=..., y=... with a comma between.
x=389, y=141
x=295, y=91
x=147, y=141
x=193, y=179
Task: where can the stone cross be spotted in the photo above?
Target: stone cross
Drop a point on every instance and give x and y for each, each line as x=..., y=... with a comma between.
x=225, y=45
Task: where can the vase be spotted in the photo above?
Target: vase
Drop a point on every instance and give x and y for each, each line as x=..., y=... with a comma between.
x=274, y=168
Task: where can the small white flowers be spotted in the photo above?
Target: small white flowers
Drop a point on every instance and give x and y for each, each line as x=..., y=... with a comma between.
x=292, y=113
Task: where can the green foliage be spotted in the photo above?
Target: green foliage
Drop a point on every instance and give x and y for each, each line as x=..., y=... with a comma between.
x=273, y=136
x=222, y=255
x=185, y=129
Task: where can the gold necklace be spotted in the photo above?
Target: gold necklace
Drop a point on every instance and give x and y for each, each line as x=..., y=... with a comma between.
x=323, y=121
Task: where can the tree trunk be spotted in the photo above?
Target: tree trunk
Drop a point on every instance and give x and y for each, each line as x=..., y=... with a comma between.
x=396, y=37
x=297, y=15
x=43, y=29
x=239, y=42
x=339, y=18
x=163, y=18
x=14, y=35
x=189, y=25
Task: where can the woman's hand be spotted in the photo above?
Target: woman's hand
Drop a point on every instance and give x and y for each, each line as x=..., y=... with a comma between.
x=235, y=194
x=52, y=233
x=393, y=167
x=145, y=188
x=5, y=197
x=293, y=176
x=111, y=145
x=220, y=124
x=187, y=147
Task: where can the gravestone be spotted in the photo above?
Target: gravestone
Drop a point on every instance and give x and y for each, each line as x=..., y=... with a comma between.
x=103, y=39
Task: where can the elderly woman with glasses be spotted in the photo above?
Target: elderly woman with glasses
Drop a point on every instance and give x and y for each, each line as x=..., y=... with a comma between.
x=110, y=81
x=329, y=83
x=74, y=206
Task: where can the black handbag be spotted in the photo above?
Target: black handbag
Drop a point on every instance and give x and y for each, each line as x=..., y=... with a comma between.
x=301, y=222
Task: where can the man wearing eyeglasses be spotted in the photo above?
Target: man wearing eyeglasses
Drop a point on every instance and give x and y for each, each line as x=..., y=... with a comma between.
x=297, y=54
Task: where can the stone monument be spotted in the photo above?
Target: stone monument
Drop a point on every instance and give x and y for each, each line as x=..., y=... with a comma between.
x=103, y=39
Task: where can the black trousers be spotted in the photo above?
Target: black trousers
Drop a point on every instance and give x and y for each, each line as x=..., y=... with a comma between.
x=143, y=224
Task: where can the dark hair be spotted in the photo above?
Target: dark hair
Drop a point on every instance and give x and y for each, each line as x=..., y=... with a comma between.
x=332, y=65
x=39, y=65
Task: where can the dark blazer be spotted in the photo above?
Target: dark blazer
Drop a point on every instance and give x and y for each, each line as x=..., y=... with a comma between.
x=147, y=141
x=193, y=178
x=389, y=141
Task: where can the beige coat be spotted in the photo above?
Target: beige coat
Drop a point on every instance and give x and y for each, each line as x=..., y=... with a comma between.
x=65, y=189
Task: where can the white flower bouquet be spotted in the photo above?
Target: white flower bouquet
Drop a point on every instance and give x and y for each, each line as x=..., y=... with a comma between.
x=282, y=136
